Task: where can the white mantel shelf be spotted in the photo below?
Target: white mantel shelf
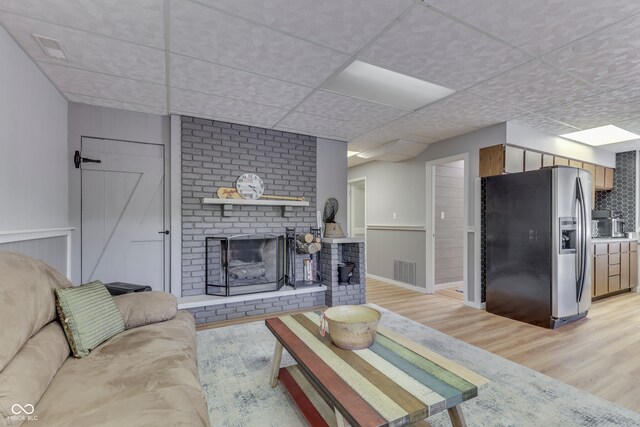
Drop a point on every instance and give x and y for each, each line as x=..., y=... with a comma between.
x=259, y=202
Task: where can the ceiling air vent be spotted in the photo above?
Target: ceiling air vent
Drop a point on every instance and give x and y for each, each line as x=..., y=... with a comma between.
x=51, y=47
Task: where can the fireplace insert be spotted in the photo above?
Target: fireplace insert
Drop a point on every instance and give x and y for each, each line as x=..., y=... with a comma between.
x=244, y=264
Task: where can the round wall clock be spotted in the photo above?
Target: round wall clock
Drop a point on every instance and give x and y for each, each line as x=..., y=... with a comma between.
x=250, y=186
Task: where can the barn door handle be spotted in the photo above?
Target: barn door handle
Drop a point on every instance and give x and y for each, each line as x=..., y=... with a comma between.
x=164, y=232
x=77, y=159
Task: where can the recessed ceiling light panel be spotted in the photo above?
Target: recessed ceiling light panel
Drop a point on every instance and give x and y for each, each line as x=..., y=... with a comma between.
x=352, y=153
x=51, y=47
x=602, y=135
x=371, y=83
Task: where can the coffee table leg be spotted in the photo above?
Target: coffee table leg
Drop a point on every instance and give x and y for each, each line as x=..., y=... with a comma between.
x=340, y=421
x=275, y=367
x=457, y=418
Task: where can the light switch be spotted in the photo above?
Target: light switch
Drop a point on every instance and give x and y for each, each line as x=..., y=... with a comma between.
x=395, y=215
x=442, y=215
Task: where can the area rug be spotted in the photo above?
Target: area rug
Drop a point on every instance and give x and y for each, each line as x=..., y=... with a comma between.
x=235, y=364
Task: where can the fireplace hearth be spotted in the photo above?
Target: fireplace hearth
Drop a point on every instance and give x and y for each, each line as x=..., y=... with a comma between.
x=244, y=264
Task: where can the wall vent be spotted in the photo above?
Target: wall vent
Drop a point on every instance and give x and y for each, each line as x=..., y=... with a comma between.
x=404, y=271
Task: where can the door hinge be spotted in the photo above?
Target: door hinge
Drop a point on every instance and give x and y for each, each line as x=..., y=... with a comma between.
x=77, y=159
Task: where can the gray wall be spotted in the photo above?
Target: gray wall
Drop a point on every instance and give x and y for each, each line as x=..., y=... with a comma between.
x=33, y=139
x=215, y=154
x=449, y=232
x=109, y=123
x=331, y=161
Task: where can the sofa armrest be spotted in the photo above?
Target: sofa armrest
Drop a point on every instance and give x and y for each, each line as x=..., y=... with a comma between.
x=143, y=308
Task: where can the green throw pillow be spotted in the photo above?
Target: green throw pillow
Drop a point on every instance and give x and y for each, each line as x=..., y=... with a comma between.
x=88, y=315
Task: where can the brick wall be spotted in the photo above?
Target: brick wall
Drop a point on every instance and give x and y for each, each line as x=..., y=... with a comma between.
x=215, y=154
x=341, y=294
x=257, y=307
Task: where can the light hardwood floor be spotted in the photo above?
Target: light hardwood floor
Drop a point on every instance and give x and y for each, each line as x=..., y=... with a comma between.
x=600, y=354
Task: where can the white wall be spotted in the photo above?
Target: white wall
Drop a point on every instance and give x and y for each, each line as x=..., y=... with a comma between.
x=331, y=176
x=109, y=123
x=33, y=145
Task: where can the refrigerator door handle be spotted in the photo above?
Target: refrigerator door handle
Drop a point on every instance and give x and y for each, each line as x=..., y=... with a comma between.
x=582, y=242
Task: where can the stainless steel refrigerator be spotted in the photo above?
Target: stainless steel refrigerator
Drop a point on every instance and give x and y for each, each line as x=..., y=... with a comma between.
x=538, y=256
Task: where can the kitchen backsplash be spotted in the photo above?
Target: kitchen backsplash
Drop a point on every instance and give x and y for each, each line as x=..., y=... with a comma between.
x=622, y=197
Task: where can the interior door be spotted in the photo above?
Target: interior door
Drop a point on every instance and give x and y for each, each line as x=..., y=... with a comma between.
x=123, y=238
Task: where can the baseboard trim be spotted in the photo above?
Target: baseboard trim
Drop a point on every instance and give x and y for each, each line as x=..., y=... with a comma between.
x=399, y=284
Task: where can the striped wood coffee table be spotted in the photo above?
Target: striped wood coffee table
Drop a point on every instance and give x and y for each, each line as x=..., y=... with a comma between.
x=395, y=382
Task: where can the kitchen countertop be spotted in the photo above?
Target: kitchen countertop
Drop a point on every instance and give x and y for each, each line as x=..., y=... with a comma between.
x=611, y=239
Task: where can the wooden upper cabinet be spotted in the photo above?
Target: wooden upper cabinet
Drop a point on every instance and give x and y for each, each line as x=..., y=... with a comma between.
x=575, y=163
x=532, y=160
x=492, y=160
x=591, y=168
x=599, y=178
x=499, y=159
x=608, y=179
x=513, y=159
x=604, y=178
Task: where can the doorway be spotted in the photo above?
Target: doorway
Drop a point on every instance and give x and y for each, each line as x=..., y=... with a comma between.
x=447, y=212
x=123, y=229
x=357, y=207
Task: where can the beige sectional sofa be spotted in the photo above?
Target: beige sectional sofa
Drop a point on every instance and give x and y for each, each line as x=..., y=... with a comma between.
x=144, y=376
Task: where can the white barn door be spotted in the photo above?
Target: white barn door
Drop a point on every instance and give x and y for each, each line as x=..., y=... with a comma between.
x=123, y=230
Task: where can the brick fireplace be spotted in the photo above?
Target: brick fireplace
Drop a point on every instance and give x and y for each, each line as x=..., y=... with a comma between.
x=214, y=155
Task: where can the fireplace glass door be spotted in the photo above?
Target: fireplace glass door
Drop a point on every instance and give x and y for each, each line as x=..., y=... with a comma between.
x=244, y=264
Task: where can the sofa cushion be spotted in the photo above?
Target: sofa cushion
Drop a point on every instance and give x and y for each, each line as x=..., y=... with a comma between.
x=88, y=315
x=144, y=308
x=27, y=302
x=146, y=376
x=27, y=376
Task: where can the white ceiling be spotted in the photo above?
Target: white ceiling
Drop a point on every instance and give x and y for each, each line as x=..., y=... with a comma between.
x=557, y=66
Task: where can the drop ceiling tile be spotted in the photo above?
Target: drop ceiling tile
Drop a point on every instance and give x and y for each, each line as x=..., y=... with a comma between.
x=114, y=104
x=632, y=125
x=628, y=94
x=204, y=33
x=609, y=58
x=544, y=124
x=471, y=110
x=204, y=105
x=355, y=161
x=344, y=25
x=387, y=133
x=432, y=47
x=599, y=110
x=140, y=21
x=335, y=106
x=88, y=83
x=89, y=51
x=201, y=76
x=533, y=86
x=321, y=126
x=539, y=27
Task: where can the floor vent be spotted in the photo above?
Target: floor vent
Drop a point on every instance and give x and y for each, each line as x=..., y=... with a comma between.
x=404, y=271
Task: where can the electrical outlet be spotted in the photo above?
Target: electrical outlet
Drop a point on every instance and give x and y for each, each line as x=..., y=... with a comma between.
x=395, y=215
x=442, y=215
